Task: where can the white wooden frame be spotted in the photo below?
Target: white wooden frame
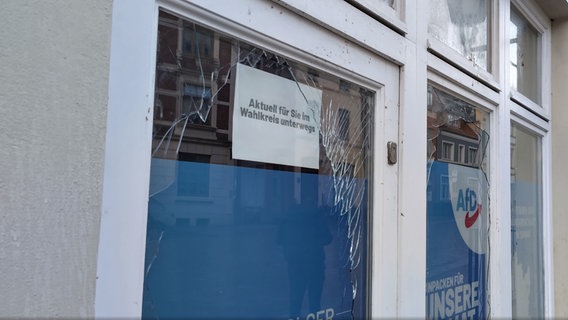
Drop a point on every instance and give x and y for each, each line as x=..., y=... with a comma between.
x=535, y=117
x=506, y=105
x=125, y=187
x=489, y=78
x=395, y=16
x=541, y=128
x=445, y=76
x=348, y=40
x=538, y=19
x=352, y=24
x=129, y=128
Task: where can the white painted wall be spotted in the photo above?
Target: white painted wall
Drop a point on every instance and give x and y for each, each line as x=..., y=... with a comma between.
x=54, y=65
x=559, y=163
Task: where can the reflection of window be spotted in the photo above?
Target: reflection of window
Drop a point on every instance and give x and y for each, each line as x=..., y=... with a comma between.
x=343, y=122
x=461, y=154
x=472, y=155
x=473, y=183
x=165, y=107
x=444, y=188
x=196, y=103
x=193, y=175
x=524, y=39
x=344, y=85
x=447, y=151
x=197, y=41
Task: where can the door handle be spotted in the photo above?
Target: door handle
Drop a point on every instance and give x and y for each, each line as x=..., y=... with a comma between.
x=392, y=152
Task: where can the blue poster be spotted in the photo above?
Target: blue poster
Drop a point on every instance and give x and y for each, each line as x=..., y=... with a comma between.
x=457, y=242
x=232, y=242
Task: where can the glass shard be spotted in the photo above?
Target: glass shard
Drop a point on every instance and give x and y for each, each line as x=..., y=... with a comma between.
x=259, y=190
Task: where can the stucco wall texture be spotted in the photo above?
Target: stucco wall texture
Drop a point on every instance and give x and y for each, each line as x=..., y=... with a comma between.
x=54, y=65
x=559, y=167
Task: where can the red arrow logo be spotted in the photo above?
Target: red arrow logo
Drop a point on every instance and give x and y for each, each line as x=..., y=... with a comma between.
x=470, y=220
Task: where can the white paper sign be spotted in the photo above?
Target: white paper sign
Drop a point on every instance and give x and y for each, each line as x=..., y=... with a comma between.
x=275, y=120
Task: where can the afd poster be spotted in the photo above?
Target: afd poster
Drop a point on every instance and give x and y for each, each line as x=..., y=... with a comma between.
x=250, y=250
x=457, y=242
x=275, y=120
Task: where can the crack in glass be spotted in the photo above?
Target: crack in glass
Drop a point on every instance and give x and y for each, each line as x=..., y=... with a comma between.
x=195, y=83
x=458, y=207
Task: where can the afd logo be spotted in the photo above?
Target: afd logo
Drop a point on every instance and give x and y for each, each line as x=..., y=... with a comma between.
x=468, y=192
x=467, y=201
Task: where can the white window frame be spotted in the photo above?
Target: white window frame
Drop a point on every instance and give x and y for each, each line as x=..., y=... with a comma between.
x=536, y=118
x=541, y=129
x=461, y=154
x=394, y=16
x=489, y=78
x=354, y=24
x=127, y=162
x=449, y=69
x=472, y=160
x=450, y=146
x=126, y=184
x=422, y=60
x=449, y=79
x=538, y=19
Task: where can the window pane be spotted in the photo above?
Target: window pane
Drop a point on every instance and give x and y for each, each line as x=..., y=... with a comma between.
x=259, y=184
x=457, y=237
x=526, y=224
x=390, y=3
x=461, y=154
x=463, y=26
x=524, y=41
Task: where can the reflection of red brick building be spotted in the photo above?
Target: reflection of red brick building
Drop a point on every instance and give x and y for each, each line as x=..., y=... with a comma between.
x=193, y=112
x=453, y=134
x=192, y=96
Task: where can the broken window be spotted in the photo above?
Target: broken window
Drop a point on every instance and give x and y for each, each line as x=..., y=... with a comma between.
x=457, y=246
x=463, y=25
x=259, y=184
x=526, y=224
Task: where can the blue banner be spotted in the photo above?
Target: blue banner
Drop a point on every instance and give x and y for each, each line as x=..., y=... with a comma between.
x=228, y=242
x=457, y=242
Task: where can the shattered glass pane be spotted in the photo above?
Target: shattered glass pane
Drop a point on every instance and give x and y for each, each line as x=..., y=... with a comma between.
x=457, y=246
x=463, y=26
x=230, y=235
x=523, y=52
x=526, y=224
